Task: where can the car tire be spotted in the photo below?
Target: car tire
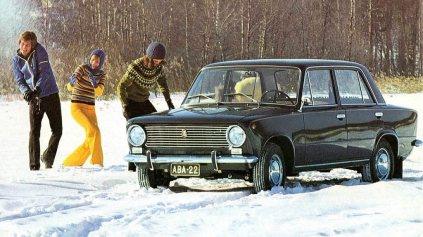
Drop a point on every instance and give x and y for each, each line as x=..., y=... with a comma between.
x=381, y=164
x=151, y=178
x=146, y=178
x=270, y=170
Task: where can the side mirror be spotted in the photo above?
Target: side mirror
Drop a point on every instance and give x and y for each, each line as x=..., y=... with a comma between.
x=304, y=101
x=417, y=143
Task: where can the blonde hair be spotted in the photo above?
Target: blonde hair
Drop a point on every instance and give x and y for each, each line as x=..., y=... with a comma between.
x=95, y=56
x=149, y=62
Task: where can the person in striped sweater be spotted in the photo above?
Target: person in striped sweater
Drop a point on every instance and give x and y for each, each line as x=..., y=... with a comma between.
x=87, y=81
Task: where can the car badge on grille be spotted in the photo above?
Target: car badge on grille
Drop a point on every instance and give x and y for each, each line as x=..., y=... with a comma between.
x=184, y=133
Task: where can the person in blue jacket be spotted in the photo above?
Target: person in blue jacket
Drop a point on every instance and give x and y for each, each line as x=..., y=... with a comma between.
x=37, y=83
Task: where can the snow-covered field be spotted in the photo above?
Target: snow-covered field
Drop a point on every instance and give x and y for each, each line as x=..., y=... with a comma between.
x=95, y=201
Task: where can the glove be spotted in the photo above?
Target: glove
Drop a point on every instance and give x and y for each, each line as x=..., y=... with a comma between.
x=29, y=95
x=92, y=79
x=170, y=104
x=73, y=79
x=37, y=91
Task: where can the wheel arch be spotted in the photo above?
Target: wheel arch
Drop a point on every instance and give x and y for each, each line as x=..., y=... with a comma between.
x=392, y=139
x=287, y=147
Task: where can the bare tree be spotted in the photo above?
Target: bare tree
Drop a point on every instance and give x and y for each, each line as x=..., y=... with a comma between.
x=421, y=36
x=386, y=35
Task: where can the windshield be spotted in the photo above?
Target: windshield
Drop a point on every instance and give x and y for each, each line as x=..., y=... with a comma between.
x=245, y=85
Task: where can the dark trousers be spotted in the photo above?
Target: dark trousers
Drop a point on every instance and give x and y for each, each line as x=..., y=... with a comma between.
x=136, y=109
x=49, y=105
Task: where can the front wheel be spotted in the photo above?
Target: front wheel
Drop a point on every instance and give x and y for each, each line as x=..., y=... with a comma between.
x=270, y=169
x=151, y=178
x=381, y=164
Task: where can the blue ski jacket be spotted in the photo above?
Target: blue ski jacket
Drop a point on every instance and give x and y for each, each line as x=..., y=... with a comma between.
x=35, y=70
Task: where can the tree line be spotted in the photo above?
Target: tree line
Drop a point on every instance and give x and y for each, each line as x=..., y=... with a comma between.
x=384, y=35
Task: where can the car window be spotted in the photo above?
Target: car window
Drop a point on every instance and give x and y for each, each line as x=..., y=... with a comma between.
x=351, y=86
x=318, y=88
x=275, y=84
x=207, y=85
x=287, y=81
x=247, y=83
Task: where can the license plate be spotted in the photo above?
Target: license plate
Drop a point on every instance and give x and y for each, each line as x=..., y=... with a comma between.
x=185, y=169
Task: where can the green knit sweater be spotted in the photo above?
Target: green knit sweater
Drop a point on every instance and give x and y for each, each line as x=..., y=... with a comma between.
x=139, y=80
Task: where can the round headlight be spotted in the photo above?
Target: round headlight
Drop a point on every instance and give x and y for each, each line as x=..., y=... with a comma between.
x=136, y=135
x=235, y=136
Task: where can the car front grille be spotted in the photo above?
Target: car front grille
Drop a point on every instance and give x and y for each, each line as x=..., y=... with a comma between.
x=186, y=137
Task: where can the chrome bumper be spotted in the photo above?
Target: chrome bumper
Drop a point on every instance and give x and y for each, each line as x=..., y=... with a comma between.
x=149, y=160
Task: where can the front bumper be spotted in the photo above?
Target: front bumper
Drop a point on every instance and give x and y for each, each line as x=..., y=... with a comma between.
x=217, y=162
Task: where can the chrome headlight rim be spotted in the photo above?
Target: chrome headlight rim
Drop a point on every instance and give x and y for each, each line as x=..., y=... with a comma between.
x=142, y=134
x=238, y=132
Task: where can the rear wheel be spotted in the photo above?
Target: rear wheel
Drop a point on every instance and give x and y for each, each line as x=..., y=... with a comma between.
x=381, y=165
x=151, y=178
x=270, y=169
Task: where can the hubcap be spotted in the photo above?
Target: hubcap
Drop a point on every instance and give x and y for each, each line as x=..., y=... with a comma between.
x=383, y=164
x=275, y=171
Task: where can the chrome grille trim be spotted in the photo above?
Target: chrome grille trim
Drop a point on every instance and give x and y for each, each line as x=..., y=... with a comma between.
x=196, y=137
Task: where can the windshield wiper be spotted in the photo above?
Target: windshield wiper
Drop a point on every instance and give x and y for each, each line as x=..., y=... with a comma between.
x=240, y=93
x=205, y=96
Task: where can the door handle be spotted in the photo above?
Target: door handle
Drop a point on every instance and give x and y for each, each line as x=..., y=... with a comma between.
x=340, y=116
x=379, y=114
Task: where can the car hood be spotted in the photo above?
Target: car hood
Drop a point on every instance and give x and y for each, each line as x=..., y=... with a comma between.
x=211, y=115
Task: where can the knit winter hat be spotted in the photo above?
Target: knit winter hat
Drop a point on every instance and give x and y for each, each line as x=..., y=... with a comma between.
x=102, y=56
x=156, y=50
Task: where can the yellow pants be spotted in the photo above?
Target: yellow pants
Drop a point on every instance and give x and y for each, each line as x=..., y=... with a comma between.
x=85, y=116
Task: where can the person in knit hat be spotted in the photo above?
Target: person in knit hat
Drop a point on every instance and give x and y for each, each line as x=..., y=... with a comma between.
x=141, y=76
x=86, y=82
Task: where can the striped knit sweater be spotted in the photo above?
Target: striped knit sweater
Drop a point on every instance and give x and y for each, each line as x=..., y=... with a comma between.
x=83, y=91
x=139, y=80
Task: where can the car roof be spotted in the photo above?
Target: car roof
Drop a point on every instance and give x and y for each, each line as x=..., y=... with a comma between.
x=301, y=63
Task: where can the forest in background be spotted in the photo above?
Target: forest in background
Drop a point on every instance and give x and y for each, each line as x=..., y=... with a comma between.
x=383, y=35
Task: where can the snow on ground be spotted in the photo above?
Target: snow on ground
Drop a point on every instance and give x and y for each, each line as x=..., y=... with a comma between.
x=96, y=201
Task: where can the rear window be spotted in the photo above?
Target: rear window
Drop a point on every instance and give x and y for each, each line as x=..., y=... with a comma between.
x=352, y=88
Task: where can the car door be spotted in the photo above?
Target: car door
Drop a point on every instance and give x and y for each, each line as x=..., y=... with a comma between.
x=325, y=131
x=364, y=116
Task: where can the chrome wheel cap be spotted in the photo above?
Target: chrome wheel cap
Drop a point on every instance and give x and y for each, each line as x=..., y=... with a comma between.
x=275, y=171
x=383, y=164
